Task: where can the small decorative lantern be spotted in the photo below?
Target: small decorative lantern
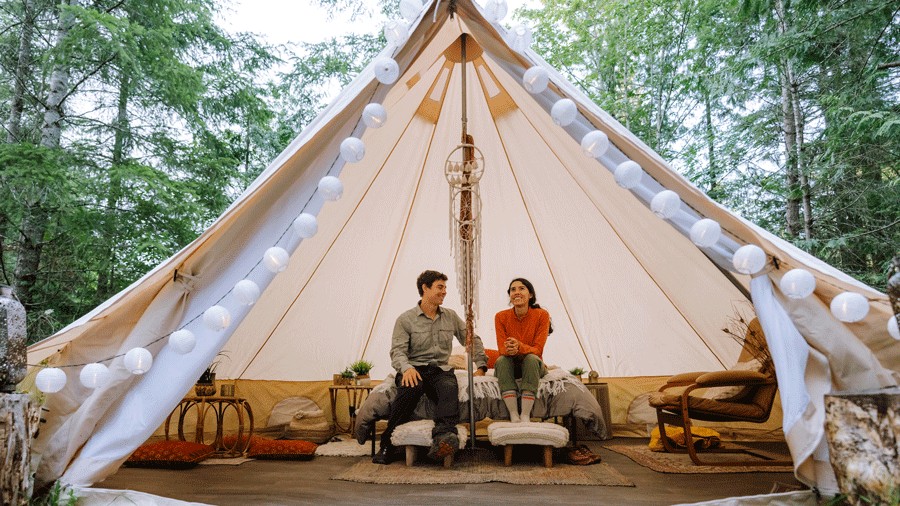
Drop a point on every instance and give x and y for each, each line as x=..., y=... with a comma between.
x=12, y=340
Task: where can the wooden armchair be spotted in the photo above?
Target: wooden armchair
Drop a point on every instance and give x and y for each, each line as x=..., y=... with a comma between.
x=678, y=401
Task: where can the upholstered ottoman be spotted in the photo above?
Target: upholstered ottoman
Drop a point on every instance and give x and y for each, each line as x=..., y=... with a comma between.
x=509, y=434
x=418, y=433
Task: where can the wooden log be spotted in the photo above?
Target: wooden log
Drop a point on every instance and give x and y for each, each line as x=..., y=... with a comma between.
x=19, y=418
x=863, y=433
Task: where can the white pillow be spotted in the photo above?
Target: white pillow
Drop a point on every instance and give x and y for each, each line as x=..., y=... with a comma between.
x=719, y=393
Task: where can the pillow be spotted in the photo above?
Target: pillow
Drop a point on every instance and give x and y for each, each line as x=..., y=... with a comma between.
x=231, y=441
x=720, y=393
x=282, y=449
x=169, y=455
x=458, y=358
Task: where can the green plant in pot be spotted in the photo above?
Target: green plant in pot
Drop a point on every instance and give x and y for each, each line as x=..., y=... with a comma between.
x=361, y=369
x=206, y=383
x=577, y=372
x=345, y=377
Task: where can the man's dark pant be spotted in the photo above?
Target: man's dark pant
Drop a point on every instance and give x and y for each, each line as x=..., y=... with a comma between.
x=440, y=387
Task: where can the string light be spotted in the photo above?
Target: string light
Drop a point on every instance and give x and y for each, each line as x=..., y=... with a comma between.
x=563, y=112
x=138, y=361
x=797, y=283
x=749, y=259
x=849, y=307
x=535, y=80
x=665, y=204
x=705, y=232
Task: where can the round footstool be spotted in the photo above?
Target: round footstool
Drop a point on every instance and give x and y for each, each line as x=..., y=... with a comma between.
x=509, y=434
x=418, y=433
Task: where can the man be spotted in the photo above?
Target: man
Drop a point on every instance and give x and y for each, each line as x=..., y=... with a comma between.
x=420, y=351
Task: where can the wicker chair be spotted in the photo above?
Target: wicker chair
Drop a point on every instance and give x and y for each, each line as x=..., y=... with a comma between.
x=751, y=401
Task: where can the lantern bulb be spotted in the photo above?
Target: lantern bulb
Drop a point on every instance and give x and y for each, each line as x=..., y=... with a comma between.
x=306, y=225
x=749, y=259
x=217, y=318
x=849, y=307
x=563, y=112
x=138, y=360
x=628, y=174
x=276, y=259
x=535, y=80
x=797, y=284
x=706, y=232
x=182, y=341
x=50, y=380
x=665, y=204
x=331, y=188
x=94, y=375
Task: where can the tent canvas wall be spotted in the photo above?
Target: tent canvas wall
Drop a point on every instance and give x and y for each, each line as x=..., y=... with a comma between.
x=629, y=293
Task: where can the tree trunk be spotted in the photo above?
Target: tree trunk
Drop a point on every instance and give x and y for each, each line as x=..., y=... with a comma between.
x=806, y=197
x=36, y=216
x=23, y=64
x=788, y=121
x=19, y=419
x=710, y=132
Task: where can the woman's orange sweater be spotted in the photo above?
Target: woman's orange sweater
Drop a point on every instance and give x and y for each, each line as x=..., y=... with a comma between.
x=531, y=330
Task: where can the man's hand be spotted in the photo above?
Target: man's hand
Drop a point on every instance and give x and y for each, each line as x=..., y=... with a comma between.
x=512, y=346
x=410, y=377
x=478, y=372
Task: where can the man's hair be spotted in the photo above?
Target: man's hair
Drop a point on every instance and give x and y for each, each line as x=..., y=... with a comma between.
x=428, y=278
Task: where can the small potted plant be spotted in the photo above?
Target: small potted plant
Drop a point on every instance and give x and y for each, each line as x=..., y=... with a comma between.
x=577, y=372
x=361, y=368
x=345, y=377
x=206, y=383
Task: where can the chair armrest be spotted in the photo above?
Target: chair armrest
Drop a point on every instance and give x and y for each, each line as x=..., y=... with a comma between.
x=683, y=379
x=725, y=378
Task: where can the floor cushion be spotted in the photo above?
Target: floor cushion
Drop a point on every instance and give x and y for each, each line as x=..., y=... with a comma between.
x=418, y=433
x=528, y=433
x=169, y=455
x=282, y=449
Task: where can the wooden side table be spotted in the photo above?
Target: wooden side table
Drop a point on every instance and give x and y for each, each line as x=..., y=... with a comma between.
x=356, y=394
x=219, y=406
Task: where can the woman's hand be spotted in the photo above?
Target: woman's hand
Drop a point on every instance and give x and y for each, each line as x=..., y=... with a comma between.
x=512, y=346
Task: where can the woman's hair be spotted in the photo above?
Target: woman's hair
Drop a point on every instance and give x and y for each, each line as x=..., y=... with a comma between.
x=532, y=300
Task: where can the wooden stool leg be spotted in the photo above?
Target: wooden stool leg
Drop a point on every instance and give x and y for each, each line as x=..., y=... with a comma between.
x=410, y=455
x=507, y=455
x=548, y=456
x=448, y=461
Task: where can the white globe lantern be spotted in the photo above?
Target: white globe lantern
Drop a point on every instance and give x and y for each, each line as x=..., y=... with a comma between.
x=386, y=70
x=182, y=341
x=353, y=150
x=563, y=112
x=892, y=328
x=217, y=318
x=665, y=204
x=521, y=38
x=374, y=115
x=797, y=283
x=276, y=259
x=849, y=307
x=395, y=32
x=410, y=9
x=306, y=225
x=535, y=80
x=706, y=232
x=246, y=292
x=594, y=143
x=749, y=259
x=94, y=375
x=138, y=360
x=50, y=380
x=628, y=174
x=331, y=188
x=495, y=10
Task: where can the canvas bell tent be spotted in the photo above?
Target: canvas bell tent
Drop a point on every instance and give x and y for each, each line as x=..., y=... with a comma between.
x=630, y=293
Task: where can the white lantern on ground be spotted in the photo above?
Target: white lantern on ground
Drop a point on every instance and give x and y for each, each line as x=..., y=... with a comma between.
x=386, y=70
x=50, y=380
x=246, y=292
x=182, y=341
x=374, y=115
x=521, y=38
x=395, y=32
x=495, y=10
x=535, y=80
x=594, y=143
x=665, y=204
x=849, y=307
x=94, y=375
x=276, y=259
x=217, y=318
x=628, y=174
x=410, y=9
x=353, y=150
x=138, y=360
x=797, y=283
x=306, y=225
x=563, y=112
x=331, y=188
x=706, y=232
x=892, y=328
x=749, y=259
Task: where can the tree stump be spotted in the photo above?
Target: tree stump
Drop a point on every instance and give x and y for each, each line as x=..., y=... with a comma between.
x=19, y=418
x=863, y=432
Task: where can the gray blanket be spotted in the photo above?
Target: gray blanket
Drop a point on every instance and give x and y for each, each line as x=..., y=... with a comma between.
x=559, y=394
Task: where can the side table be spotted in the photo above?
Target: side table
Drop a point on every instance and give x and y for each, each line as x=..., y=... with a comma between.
x=356, y=394
x=219, y=406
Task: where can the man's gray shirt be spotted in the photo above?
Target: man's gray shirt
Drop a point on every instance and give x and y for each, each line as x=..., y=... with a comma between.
x=418, y=340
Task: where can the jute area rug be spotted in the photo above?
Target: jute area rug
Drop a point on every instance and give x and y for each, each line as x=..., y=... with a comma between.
x=468, y=470
x=680, y=463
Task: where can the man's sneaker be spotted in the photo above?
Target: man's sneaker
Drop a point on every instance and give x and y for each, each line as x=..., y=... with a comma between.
x=385, y=455
x=443, y=446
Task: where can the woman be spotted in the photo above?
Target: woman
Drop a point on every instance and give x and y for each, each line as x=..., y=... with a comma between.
x=522, y=331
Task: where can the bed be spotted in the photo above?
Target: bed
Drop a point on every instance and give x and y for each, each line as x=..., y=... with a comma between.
x=559, y=395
